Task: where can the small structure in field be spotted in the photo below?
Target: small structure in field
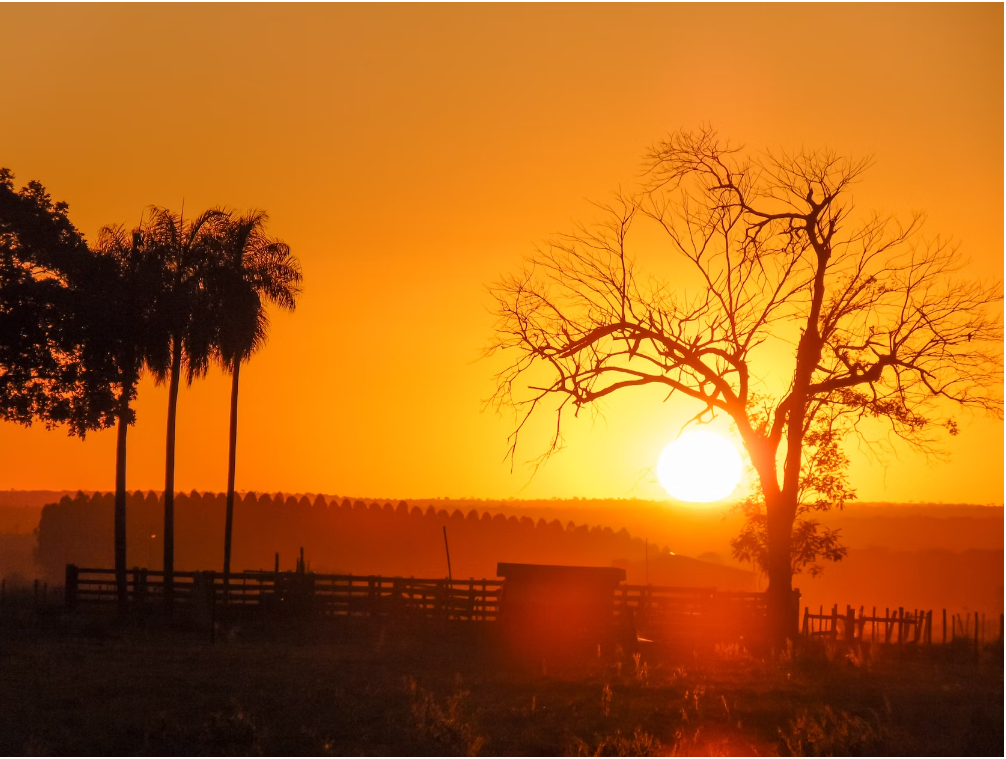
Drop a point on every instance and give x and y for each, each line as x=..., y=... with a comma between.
x=548, y=606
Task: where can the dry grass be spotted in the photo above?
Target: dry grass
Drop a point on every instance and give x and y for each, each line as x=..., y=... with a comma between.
x=71, y=687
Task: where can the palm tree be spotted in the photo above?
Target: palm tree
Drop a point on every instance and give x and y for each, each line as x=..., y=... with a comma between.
x=125, y=331
x=254, y=270
x=186, y=250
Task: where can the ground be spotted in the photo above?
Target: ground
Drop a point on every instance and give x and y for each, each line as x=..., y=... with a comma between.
x=79, y=685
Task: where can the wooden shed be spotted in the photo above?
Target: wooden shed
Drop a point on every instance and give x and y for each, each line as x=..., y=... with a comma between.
x=546, y=606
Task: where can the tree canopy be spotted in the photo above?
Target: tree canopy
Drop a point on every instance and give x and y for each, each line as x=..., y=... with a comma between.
x=47, y=307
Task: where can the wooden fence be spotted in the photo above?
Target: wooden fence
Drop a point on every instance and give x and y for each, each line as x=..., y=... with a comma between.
x=896, y=626
x=327, y=595
x=900, y=627
x=693, y=615
x=664, y=614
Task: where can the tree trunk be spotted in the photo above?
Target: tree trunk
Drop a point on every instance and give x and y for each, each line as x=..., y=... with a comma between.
x=169, y=477
x=120, y=498
x=231, y=466
x=783, y=618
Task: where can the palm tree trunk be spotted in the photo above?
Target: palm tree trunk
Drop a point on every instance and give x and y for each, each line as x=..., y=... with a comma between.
x=231, y=466
x=120, y=498
x=169, y=477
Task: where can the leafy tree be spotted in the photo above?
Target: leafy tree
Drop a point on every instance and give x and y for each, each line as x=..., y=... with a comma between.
x=42, y=321
x=823, y=486
x=877, y=320
x=52, y=363
x=254, y=270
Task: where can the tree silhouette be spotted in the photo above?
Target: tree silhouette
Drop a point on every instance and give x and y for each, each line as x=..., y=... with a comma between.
x=876, y=319
x=127, y=333
x=42, y=317
x=185, y=250
x=253, y=270
x=53, y=360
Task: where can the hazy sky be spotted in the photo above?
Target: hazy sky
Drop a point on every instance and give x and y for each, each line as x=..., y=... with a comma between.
x=412, y=154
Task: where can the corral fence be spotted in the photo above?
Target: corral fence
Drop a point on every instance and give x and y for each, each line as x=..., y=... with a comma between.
x=294, y=593
x=693, y=616
x=897, y=626
x=900, y=627
x=663, y=614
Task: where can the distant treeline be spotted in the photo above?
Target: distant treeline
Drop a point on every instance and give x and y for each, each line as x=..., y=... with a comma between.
x=351, y=536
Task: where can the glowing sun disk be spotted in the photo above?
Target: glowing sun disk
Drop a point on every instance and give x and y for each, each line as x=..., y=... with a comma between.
x=700, y=467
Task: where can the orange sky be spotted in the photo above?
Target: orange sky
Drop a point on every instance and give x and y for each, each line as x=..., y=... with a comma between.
x=410, y=155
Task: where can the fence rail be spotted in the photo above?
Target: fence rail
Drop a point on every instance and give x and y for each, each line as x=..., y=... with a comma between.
x=662, y=613
x=328, y=595
x=899, y=626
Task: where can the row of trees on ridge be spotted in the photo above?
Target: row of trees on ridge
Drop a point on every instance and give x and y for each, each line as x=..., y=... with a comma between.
x=343, y=536
x=80, y=323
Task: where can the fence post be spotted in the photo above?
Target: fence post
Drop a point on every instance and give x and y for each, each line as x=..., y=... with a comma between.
x=70, y=587
x=850, y=624
x=976, y=635
x=834, y=622
x=795, y=602
x=806, y=620
x=137, y=591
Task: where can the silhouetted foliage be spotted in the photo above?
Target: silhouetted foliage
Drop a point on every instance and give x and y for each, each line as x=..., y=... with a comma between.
x=131, y=332
x=352, y=537
x=252, y=270
x=187, y=251
x=45, y=309
x=823, y=486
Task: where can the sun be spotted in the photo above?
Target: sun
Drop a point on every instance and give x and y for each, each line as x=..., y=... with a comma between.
x=700, y=467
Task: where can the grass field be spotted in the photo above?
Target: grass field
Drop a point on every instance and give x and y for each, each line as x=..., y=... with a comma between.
x=74, y=686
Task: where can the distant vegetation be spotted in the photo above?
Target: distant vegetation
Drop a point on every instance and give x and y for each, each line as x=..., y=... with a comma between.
x=921, y=555
x=351, y=537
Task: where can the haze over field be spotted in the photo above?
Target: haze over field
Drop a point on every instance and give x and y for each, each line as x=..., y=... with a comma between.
x=929, y=556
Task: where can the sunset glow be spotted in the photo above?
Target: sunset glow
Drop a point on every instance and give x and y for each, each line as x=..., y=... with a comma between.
x=700, y=467
x=486, y=379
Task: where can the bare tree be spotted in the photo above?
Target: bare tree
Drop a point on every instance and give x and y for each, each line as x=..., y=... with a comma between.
x=875, y=319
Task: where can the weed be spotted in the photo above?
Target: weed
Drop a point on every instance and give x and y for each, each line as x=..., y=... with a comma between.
x=446, y=728
x=233, y=733
x=642, y=669
x=639, y=744
x=826, y=732
x=230, y=733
